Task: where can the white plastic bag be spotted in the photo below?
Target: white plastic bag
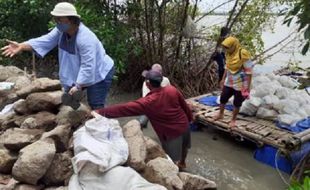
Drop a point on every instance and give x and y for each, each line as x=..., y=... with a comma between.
x=118, y=178
x=189, y=30
x=264, y=90
x=271, y=100
x=6, y=85
x=261, y=79
x=283, y=92
x=288, y=82
x=100, y=142
x=266, y=113
x=288, y=119
x=290, y=107
x=247, y=108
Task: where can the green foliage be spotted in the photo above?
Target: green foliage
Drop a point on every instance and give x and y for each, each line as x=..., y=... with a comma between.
x=305, y=185
x=27, y=18
x=21, y=20
x=301, y=11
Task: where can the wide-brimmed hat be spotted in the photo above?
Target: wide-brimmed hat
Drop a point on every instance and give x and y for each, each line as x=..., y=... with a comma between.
x=64, y=9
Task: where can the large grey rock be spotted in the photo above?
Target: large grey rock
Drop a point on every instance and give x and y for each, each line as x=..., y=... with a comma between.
x=163, y=172
x=14, y=121
x=28, y=187
x=15, y=139
x=61, y=136
x=196, y=182
x=39, y=85
x=19, y=81
x=33, y=161
x=3, y=121
x=7, y=160
x=57, y=188
x=153, y=149
x=20, y=107
x=7, y=97
x=137, y=149
x=9, y=71
x=68, y=116
x=43, y=101
x=42, y=120
x=60, y=170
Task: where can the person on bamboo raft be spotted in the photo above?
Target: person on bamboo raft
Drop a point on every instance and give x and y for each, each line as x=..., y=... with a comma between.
x=167, y=111
x=237, y=77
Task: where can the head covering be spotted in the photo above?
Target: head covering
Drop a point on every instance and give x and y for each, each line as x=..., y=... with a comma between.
x=153, y=75
x=64, y=9
x=235, y=55
x=157, y=67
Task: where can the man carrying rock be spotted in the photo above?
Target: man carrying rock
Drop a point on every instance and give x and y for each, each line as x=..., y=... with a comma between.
x=168, y=113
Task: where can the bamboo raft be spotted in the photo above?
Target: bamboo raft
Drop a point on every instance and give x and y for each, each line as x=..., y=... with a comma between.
x=257, y=130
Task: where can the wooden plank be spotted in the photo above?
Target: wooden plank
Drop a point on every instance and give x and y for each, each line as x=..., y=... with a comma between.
x=257, y=130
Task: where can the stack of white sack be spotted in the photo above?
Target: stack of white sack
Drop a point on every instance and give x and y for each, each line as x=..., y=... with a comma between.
x=276, y=98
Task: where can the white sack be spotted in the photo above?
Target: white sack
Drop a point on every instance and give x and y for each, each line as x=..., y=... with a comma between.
x=265, y=113
x=100, y=142
x=117, y=178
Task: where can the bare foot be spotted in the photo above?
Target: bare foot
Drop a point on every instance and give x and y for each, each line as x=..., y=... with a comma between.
x=232, y=124
x=218, y=116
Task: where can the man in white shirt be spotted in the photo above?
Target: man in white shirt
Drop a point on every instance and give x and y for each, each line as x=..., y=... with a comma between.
x=145, y=90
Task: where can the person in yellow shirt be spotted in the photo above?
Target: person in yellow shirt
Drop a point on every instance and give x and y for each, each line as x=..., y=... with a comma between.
x=237, y=77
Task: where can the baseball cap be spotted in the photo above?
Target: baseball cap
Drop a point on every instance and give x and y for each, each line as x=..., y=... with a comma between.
x=152, y=75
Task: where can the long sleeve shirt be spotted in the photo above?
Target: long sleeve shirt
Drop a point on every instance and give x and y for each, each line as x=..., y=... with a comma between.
x=165, y=107
x=82, y=58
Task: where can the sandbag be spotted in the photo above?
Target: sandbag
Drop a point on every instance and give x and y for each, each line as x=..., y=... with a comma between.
x=100, y=142
x=264, y=90
x=266, y=113
x=290, y=107
x=283, y=92
x=288, y=82
x=248, y=109
x=288, y=119
x=116, y=178
x=271, y=100
x=261, y=79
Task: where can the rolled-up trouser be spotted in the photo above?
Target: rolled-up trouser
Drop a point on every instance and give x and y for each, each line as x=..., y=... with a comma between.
x=97, y=93
x=175, y=147
x=228, y=92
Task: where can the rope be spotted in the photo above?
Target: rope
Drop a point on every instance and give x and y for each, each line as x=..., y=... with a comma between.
x=277, y=168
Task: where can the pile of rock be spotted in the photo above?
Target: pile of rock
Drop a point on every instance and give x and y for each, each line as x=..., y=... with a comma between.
x=147, y=157
x=36, y=142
